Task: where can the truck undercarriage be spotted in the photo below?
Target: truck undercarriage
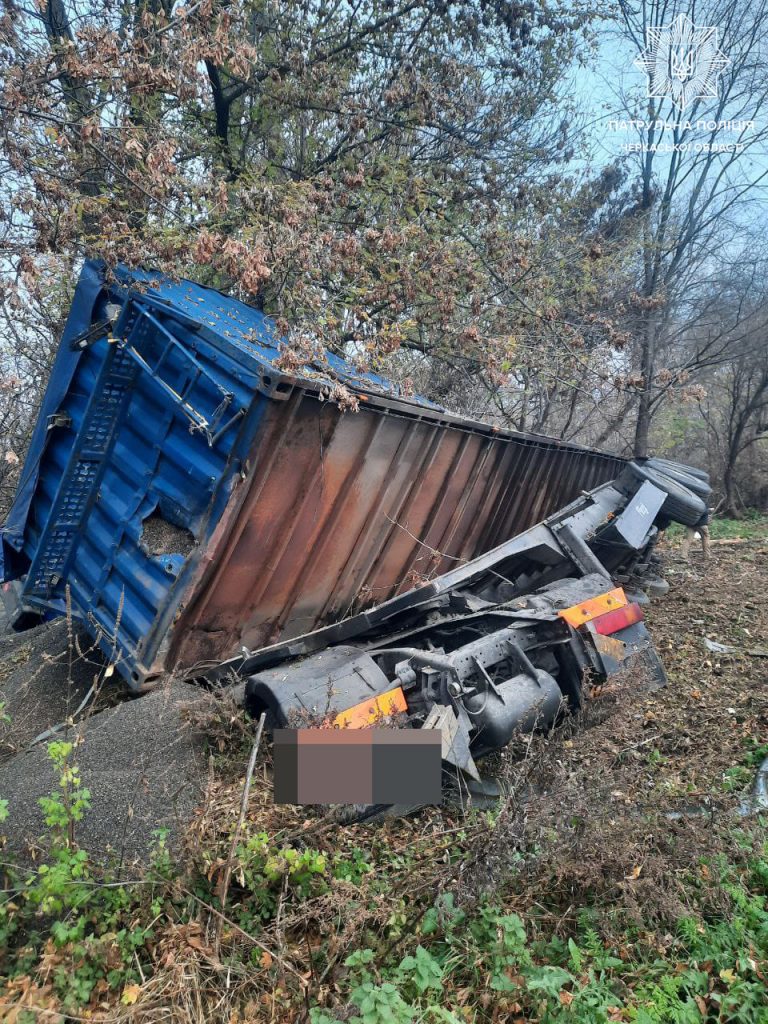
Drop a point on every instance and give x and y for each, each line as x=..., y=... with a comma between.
x=500, y=645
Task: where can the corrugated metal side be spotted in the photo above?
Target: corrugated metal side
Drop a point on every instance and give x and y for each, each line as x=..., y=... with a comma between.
x=298, y=514
x=150, y=465
x=339, y=511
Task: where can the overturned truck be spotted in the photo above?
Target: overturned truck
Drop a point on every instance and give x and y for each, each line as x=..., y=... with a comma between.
x=202, y=511
x=501, y=644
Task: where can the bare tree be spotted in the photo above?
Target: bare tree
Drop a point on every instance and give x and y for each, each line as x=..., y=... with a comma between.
x=736, y=415
x=693, y=165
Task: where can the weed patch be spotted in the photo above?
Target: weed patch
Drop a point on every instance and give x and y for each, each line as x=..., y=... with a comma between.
x=617, y=881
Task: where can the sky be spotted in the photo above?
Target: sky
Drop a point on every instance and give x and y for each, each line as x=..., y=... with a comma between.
x=613, y=85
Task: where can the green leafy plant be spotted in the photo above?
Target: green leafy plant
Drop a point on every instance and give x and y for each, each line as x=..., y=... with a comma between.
x=422, y=970
x=91, y=925
x=67, y=805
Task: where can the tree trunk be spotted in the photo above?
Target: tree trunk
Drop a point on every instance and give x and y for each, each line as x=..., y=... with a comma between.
x=648, y=360
x=729, y=473
x=643, y=425
x=729, y=508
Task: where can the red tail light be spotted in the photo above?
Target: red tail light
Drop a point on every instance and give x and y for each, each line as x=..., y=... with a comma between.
x=613, y=621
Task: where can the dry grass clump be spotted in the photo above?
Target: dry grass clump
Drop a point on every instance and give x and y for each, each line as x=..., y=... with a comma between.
x=617, y=809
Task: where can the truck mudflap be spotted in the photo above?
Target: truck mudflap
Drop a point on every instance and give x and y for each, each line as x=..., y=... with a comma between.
x=618, y=634
x=502, y=645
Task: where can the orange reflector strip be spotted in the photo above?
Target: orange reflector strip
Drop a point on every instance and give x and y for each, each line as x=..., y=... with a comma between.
x=578, y=614
x=612, y=622
x=370, y=711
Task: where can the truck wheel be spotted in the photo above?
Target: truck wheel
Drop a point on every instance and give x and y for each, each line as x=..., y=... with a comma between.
x=693, y=483
x=679, y=467
x=681, y=504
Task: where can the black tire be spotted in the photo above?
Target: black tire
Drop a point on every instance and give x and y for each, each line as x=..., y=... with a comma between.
x=693, y=483
x=680, y=467
x=681, y=505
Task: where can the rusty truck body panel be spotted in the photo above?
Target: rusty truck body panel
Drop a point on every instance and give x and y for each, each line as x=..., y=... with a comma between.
x=167, y=415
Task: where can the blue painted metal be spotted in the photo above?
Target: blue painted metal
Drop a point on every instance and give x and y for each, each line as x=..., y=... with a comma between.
x=165, y=400
x=189, y=360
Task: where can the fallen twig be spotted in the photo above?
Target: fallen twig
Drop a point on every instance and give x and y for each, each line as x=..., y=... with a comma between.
x=244, y=934
x=239, y=825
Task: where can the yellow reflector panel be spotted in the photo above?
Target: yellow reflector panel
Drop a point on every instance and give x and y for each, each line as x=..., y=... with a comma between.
x=578, y=614
x=370, y=711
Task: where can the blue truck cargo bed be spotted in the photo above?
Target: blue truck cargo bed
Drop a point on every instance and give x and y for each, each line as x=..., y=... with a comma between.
x=184, y=495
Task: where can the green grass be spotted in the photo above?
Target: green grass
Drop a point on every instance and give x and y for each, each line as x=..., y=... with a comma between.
x=492, y=961
x=753, y=526
x=88, y=935
x=483, y=964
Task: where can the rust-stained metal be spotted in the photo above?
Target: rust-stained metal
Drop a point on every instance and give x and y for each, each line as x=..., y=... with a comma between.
x=342, y=510
x=183, y=496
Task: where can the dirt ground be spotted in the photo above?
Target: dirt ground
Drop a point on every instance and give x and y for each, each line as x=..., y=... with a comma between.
x=615, y=806
x=651, y=767
x=653, y=781
x=142, y=764
x=614, y=812
x=716, y=707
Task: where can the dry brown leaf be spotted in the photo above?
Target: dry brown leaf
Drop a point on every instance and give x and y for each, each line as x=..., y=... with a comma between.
x=130, y=994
